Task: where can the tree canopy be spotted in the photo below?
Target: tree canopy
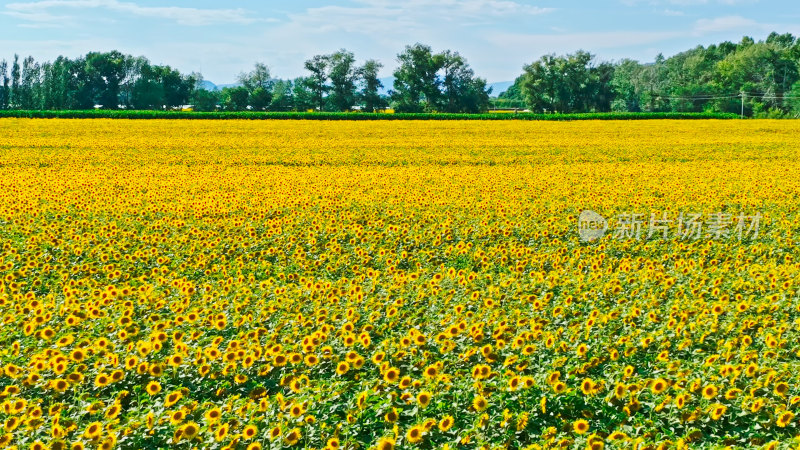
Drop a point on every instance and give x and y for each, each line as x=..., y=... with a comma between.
x=762, y=76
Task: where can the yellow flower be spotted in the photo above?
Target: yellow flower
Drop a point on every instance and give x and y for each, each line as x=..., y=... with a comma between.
x=153, y=388
x=580, y=426
x=709, y=392
x=415, y=434
x=785, y=418
x=293, y=436
x=93, y=431
x=424, y=398
x=446, y=423
x=479, y=403
x=385, y=444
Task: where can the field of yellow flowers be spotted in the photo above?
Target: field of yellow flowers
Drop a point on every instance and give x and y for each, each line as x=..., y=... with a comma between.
x=363, y=285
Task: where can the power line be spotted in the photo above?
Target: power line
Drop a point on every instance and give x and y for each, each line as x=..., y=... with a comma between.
x=715, y=97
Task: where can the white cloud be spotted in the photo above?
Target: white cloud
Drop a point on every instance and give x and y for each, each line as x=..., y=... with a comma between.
x=40, y=11
x=456, y=8
x=672, y=13
x=741, y=26
x=569, y=42
x=728, y=23
x=686, y=2
x=380, y=16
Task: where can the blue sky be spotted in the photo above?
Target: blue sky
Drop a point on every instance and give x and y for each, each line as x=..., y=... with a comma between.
x=222, y=38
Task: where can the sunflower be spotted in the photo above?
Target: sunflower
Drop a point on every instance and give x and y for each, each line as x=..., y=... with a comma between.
x=296, y=410
x=113, y=411
x=342, y=368
x=189, y=431
x=709, y=392
x=717, y=410
x=431, y=371
x=587, y=386
x=102, y=380
x=93, y=431
x=222, y=432
x=580, y=426
x=385, y=443
x=59, y=385
x=213, y=415
x=249, y=432
x=172, y=398
x=391, y=416
x=480, y=403
x=617, y=436
x=415, y=434
x=785, y=418
x=424, y=399
x=660, y=385
x=293, y=436
x=446, y=423
x=153, y=388
x=274, y=433
x=391, y=375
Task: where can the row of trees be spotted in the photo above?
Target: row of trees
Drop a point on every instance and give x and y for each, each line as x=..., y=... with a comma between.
x=108, y=79
x=425, y=82
x=713, y=78
x=335, y=83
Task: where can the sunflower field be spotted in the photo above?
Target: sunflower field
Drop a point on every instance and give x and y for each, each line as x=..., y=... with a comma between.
x=395, y=284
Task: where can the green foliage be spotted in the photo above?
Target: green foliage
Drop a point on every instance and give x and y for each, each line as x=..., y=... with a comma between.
x=234, y=99
x=249, y=115
x=715, y=78
x=316, y=83
x=567, y=84
x=343, y=75
x=437, y=82
x=205, y=100
x=259, y=85
x=370, y=97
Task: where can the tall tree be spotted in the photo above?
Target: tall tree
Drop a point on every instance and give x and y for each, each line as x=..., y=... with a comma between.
x=5, y=88
x=302, y=94
x=234, y=98
x=461, y=90
x=566, y=84
x=106, y=72
x=317, y=81
x=29, y=85
x=259, y=85
x=416, y=86
x=282, y=96
x=15, y=76
x=343, y=75
x=370, y=86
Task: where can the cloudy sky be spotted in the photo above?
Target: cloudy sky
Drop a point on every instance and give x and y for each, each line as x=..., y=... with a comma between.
x=223, y=38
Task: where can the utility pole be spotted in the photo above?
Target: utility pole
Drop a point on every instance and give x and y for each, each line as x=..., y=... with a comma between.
x=741, y=94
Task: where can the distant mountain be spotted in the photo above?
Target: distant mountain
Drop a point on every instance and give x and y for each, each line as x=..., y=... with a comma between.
x=207, y=85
